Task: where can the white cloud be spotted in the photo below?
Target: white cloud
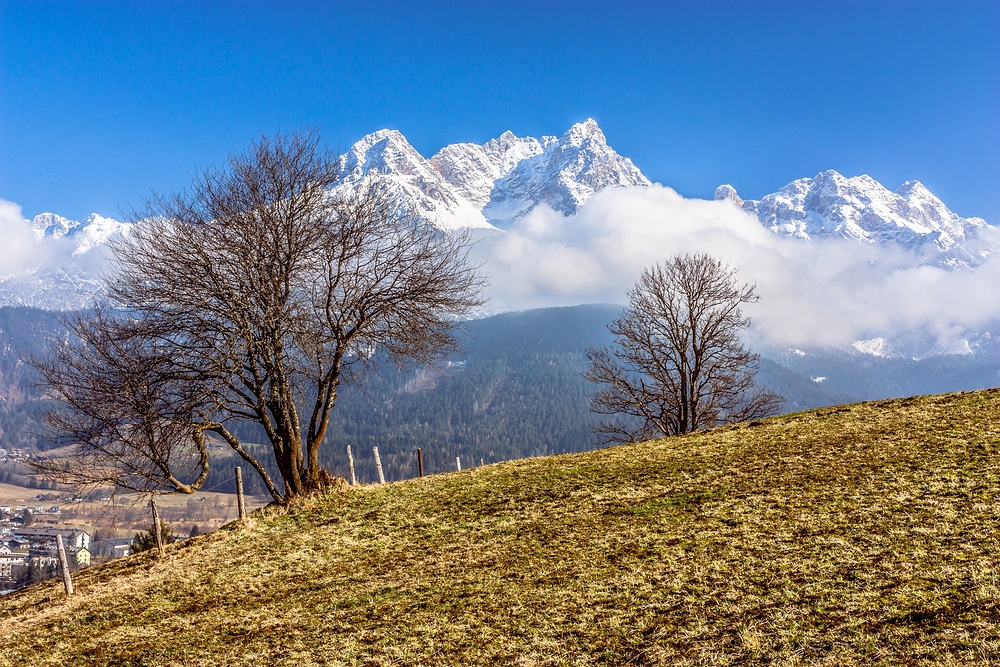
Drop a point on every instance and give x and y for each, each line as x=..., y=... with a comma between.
x=20, y=250
x=815, y=293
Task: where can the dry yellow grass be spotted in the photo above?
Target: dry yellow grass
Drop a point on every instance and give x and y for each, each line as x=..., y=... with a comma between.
x=859, y=535
x=11, y=494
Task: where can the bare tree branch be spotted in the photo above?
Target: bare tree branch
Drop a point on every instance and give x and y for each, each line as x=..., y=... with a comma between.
x=678, y=364
x=258, y=291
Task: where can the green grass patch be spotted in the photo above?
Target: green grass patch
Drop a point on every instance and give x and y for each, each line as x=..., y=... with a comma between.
x=679, y=500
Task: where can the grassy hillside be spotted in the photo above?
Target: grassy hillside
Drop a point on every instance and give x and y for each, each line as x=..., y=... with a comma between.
x=857, y=535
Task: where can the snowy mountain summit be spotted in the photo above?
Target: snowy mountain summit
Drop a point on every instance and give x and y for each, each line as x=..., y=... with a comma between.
x=94, y=231
x=862, y=209
x=63, y=270
x=488, y=185
x=413, y=178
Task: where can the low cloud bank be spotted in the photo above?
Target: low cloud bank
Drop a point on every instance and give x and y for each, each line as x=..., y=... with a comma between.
x=815, y=293
x=22, y=252
x=47, y=272
x=825, y=292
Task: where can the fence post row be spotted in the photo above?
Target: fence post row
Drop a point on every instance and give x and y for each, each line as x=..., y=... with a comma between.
x=379, y=468
x=378, y=465
x=240, y=500
x=64, y=564
x=350, y=464
x=157, y=530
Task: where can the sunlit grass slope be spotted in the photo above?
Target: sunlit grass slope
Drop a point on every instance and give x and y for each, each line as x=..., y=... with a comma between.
x=858, y=535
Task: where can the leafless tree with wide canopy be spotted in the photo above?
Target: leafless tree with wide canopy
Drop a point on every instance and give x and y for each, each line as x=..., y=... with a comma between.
x=677, y=364
x=251, y=296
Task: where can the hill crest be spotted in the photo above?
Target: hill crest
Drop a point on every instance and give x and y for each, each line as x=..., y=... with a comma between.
x=859, y=534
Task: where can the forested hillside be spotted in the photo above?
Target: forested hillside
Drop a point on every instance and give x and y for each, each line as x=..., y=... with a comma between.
x=515, y=390
x=23, y=332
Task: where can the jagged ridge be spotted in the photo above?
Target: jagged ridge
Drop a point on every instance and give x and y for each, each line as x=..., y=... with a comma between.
x=488, y=186
x=862, y=209
x=469, y=185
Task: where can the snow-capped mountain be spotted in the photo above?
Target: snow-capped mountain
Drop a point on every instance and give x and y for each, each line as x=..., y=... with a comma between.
x=862, y=209
x=67, y=262
x=472, y=169
x=414, y=178
x=483, y=186
x=462, y=186
x=488, y=186
x=519, y=174
x=94, y=231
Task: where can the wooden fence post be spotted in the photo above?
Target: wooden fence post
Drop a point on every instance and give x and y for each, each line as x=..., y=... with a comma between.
x=157, y=530
x=64, y=564
x=240, y=500
x=420, y=461
x=350, y=464
x=458, y=463
x=378, y=465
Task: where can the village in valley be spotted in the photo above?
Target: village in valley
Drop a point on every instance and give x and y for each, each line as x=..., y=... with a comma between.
x=28, y=546
x=95, y=527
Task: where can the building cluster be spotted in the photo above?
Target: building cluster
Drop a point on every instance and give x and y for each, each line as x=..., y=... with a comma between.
x=30, y=552
x=36, y=548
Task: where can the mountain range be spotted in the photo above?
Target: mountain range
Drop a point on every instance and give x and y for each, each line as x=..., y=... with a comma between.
x=488, y=186
x=862, y=209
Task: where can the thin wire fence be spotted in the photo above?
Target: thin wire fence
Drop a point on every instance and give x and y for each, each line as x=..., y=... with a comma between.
x=397, y=467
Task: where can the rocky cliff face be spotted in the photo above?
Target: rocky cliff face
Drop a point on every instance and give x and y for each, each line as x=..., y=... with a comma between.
x=563, y=174
x=489, y=185
x=862, y=209
x=418, y=182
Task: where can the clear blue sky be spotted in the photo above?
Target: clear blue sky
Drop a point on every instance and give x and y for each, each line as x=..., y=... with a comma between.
x=101, y=102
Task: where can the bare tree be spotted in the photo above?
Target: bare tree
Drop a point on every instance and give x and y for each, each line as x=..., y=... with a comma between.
x=678, y=364
x=251, y=297
x=122, y=414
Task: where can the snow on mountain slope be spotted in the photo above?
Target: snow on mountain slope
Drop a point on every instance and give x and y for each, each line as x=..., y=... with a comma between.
x=862, y=209
x=65, y=271
x=472, y=168
x=566, y=172
x=52, y=225
x=94, y=231
x=417, y=181
x=477, y=186
x=97, y=230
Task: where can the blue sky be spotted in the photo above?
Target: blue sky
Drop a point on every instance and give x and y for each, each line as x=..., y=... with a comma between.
x=102, y=102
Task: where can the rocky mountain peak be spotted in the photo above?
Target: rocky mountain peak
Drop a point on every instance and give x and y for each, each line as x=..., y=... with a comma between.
x=563, y=175
x=911, y=189
x=52, y=225
x=861, y=208
x=501, y=179
x=581, y=132
x=384, y=151
x=728, y=193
